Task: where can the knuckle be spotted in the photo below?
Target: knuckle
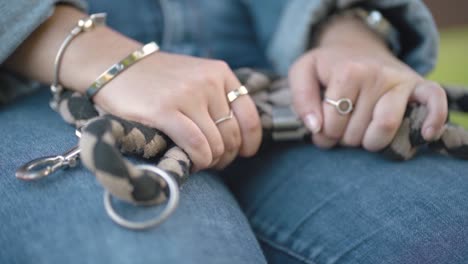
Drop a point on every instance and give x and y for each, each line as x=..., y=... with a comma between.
x=376, y=68
x=184, y=88
x=439, y=93
x=442, y=115
x=220, y=66
x=218, y=151
x=197, y=141
x=324, y=144
x=203, y=161
x=252, y=124
x=372, y=146
x=249, y=151
x=332, y=133
x=352, y=69
x=234, y=142
x=350, y=141
x=388, y=124
x=303, y=60
x=437, y=90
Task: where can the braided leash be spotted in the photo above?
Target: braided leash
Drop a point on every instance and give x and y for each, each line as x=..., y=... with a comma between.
x=273, y=98
x=104, y=138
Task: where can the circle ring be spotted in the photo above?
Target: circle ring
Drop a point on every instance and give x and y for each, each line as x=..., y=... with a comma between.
x=171, y=205
x=344, y=106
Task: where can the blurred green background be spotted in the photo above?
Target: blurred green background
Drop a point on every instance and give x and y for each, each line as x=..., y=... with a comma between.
x=452, y=68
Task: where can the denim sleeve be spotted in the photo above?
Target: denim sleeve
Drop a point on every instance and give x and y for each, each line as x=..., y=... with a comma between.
x=283, y=28
x=19, y=18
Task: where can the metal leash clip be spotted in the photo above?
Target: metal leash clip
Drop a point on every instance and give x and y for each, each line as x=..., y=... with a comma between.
x=42, y=167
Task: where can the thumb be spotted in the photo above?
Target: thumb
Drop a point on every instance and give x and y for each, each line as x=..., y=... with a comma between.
x=305, y=87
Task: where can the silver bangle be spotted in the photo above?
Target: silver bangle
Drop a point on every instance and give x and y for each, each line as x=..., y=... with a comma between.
x=83, y=25
x=119, y=67
x=171, y=205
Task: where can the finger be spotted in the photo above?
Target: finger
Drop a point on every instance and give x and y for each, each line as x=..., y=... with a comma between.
x=360, y=119
x=187, y=135
x=247, y=117
x=322, y=141
x=344, y=84
x=207, y=126
x=434, y=97
x=305, y=88
x=229, y=130
x=386, y=119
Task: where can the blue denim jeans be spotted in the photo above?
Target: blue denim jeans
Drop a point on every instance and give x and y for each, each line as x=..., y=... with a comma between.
x=292, y=203
x=304, y=205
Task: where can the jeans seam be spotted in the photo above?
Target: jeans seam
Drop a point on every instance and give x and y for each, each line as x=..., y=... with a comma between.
x=284, y=249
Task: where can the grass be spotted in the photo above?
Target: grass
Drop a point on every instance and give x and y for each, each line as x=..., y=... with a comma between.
x=452, y=67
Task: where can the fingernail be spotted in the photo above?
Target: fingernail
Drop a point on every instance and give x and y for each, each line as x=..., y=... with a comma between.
x=312, y=123
x=429, y=133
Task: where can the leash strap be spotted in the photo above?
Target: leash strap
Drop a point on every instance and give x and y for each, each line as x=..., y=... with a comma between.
x=105, y=138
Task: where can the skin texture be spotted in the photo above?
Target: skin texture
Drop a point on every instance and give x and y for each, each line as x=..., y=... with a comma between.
x=182, y=95
x=352, y=62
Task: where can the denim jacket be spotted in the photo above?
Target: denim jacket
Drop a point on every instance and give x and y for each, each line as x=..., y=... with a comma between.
x=268, y=34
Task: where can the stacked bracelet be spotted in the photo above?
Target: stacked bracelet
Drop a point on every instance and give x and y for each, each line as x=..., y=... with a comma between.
x=119, y=67
x=83, y=25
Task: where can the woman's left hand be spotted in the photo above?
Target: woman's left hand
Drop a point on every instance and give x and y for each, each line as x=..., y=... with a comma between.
x=353, y=62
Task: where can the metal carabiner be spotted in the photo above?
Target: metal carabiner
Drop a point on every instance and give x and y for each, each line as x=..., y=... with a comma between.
x=41, y=167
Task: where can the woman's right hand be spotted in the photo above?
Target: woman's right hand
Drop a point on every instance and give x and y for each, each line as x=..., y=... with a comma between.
x=182, y=96
x=179, y=95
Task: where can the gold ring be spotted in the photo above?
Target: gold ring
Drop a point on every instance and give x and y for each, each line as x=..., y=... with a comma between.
x=234, y=94
x=225, y=118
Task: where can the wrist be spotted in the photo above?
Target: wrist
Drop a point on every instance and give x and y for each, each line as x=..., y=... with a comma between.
x=92, y=53
x=85, y=58
x=350, y=31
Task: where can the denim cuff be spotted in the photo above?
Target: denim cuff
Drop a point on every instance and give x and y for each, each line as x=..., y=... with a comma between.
x=417, y=31
x=19, y=18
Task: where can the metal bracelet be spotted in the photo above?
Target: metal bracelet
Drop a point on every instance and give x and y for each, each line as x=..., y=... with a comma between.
x=172, y=202
x=83, y=25
x=119, y=67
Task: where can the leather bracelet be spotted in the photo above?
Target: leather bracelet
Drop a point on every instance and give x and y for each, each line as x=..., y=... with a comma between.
x=83, y=25
x=119, y=67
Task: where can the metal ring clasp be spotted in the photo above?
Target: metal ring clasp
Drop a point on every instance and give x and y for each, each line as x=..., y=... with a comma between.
x=171, y=205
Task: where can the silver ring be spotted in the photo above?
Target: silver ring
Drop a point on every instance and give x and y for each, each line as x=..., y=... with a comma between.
x=344, y=106
x=171, y=205
x=225, y=118
x=234, y=94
